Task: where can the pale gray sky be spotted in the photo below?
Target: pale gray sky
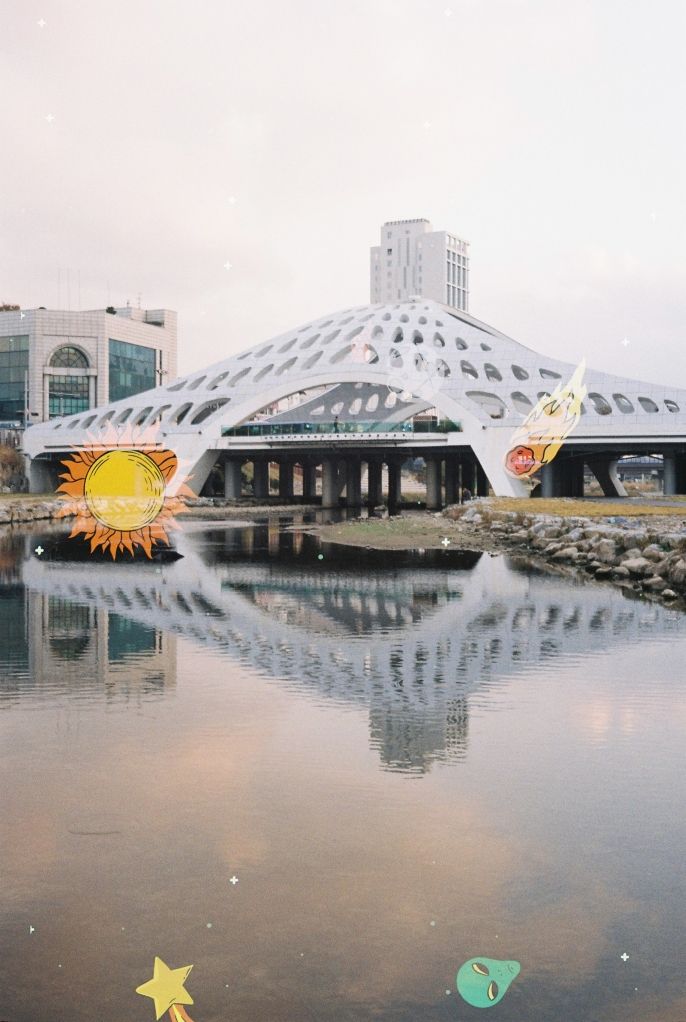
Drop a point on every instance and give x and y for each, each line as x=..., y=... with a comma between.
x=549, y=134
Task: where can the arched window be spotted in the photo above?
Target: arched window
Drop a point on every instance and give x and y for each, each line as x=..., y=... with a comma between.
x=69, y=357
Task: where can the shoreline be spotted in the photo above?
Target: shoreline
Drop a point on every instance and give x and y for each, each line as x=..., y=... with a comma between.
x=639, y=547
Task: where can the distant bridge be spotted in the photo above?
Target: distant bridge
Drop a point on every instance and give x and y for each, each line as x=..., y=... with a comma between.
x=383, y=366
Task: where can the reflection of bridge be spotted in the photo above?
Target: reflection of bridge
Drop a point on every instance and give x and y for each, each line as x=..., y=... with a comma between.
x=383, y=365
x=413, y=645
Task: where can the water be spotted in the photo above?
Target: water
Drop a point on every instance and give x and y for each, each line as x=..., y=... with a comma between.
x=406, y=760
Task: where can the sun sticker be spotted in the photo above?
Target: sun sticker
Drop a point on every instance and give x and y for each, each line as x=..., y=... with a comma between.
x=117, y=488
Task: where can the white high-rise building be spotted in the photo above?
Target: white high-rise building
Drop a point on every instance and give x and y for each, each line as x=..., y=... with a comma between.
x=413, y=259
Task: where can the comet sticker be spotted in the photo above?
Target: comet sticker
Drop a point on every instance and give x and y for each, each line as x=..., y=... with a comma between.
x=539, y=438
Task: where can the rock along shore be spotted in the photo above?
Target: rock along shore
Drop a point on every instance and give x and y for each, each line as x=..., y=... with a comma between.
x=644, y=553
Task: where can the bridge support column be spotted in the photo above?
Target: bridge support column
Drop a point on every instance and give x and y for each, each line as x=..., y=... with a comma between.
x=481, y=481
x=232, y=478
x=329, y=482
x=433, y=484
x=564, y=478
x=260, y=479
x=451, y=480
x=285, y=479
x=353, y=482
x=42, y=476
x=675, y=473
x=605, y=471
x=374, y=495
x=309, y=480
x=394, y=484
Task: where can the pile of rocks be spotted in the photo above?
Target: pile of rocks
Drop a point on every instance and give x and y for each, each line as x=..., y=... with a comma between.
x=645, y=553
x=14, y=512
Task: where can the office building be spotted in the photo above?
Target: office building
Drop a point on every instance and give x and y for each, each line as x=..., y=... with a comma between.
x=413, y=259
x=56, y=362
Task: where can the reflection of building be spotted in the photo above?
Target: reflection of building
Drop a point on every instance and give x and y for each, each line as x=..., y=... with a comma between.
x=71, y=641
x=76, y=360
x=413, y=649
x=413, y=259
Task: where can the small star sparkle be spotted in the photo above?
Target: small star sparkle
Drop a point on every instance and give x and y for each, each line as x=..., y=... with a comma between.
x=624, y=957
x=41, y=23
x=233, y=880
x=626, y=342
x=445, y=541
x=49, y=118
x=228, y=266
x=39, y=550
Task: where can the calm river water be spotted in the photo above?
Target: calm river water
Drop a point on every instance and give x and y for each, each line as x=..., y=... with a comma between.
x=403, y=761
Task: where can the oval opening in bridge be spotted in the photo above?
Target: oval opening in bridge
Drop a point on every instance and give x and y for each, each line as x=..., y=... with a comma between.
x=601, y=405
x=648, y=405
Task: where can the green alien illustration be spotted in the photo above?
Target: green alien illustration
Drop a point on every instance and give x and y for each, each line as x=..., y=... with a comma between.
x=483, y=982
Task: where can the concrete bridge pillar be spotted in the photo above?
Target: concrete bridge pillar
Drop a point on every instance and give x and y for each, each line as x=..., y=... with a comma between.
x=605, y=471
x=285, y=479
x=260, y=481
x=309, y=480
x=675, y=473
x=353, y=482
x=42, y=476
x=394, y=484
x=563, y=478
x=330, y=482
x=480, y=481
x=451, y=480
x=374, y=494
x=433, y=484
x=232, y=478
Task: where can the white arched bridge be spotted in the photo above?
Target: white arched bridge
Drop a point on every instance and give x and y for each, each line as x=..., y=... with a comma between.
x=376, y=385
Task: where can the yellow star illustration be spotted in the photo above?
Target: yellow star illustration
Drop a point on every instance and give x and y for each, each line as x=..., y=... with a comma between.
x=166, y=987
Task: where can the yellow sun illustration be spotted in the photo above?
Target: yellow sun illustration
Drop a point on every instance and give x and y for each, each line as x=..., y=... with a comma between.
x=117, y=489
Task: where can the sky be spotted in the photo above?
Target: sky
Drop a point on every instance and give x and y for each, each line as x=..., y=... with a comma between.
x=151, y=144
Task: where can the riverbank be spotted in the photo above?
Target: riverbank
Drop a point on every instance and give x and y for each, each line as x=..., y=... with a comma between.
x=640, y=546
x=17, y=509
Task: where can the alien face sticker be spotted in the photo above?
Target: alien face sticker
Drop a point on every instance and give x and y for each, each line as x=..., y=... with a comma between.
x=483, y=982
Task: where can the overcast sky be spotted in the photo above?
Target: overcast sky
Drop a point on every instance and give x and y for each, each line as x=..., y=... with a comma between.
x=147, y=143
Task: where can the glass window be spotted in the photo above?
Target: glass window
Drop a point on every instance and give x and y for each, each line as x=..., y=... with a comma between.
x=14, y=364
x=67, y=395
x=132, y=369
x=69, y=357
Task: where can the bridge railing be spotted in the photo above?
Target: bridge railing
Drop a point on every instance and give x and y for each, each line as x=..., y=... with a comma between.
x=429, y=425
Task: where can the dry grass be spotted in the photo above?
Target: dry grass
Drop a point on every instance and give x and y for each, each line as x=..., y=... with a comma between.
x=573, y=508
x=32, y=498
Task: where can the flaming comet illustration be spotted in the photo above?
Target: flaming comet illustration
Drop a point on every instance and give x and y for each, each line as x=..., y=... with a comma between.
x=117, y=487
x=539, y=438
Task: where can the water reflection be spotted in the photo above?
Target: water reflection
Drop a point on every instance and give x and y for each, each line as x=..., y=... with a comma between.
x=415, y=639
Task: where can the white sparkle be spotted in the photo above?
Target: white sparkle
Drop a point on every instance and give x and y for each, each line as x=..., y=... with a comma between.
x=445, y=541
x=624, y=957
x=653, y=216
x=426, y=125
x=448, y=993
x=232, y=200
x=433, y=922
x=626, y=342
x=22, y=315
x=32, y=929
x=49, y=118
x=228, y=266
x=447, y=12
x=233, y=880
x=42, y=23
x=39, y=550
x=209, y=926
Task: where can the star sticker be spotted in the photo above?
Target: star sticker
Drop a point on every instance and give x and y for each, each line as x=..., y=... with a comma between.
x=624, y=957
x=228, y=266
x=49, y=118
x=445, y=541
x=166, y=987
x=42, y=23
x=39, y=550
x=233, y=880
